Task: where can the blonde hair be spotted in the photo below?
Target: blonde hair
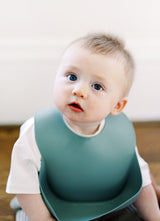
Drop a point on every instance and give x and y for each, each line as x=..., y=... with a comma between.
x=110, y=45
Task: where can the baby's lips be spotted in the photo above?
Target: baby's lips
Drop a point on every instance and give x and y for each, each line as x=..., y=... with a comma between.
x=76, y=107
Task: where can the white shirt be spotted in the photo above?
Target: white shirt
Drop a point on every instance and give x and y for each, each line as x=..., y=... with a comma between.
x=26, y=162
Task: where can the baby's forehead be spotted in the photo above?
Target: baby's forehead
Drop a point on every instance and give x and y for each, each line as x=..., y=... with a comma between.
x=77, y=51
x=74, y=47
x=81, y=57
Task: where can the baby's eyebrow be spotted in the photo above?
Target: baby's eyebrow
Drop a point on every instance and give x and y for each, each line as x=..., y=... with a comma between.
x=73, y=67
x=100, y=77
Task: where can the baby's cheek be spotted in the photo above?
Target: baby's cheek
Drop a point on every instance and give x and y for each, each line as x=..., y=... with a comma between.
x=60, y=101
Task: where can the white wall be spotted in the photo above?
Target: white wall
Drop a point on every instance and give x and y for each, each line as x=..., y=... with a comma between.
x=34, y=33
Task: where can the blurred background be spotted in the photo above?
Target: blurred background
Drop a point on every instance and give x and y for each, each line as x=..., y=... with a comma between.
x=34, y=33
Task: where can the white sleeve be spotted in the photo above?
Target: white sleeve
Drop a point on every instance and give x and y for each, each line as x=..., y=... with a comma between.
x=146, y=179
x=25, y=163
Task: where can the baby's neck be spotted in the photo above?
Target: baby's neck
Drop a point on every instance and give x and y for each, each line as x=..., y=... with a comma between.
x=83, y=128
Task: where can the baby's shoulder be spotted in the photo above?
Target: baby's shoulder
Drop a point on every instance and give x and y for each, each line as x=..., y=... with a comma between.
x=27, y=127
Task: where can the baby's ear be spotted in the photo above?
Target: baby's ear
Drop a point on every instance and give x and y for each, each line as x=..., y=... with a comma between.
x=119, y=107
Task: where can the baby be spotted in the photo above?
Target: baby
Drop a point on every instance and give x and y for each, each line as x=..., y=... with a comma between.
x=91, y=87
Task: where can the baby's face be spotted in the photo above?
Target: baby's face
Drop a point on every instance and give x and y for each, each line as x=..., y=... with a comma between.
x=88, y=86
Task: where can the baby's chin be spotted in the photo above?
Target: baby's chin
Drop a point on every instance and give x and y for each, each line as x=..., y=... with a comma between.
x=82, y=120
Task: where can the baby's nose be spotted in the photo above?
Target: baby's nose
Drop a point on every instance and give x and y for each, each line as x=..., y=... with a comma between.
x=80, y=92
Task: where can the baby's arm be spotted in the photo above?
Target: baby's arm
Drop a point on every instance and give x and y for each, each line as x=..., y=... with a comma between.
x=147, y=204
x=34, y=207
x=156, y=188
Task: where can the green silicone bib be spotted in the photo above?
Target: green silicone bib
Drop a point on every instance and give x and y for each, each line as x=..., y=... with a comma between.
x=84, y=169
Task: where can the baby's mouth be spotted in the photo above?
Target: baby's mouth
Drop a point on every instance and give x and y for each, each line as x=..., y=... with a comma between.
x=76, y=107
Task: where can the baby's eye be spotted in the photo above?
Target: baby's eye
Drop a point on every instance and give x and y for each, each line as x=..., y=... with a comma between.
x=72, y=77
x=97, y=87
